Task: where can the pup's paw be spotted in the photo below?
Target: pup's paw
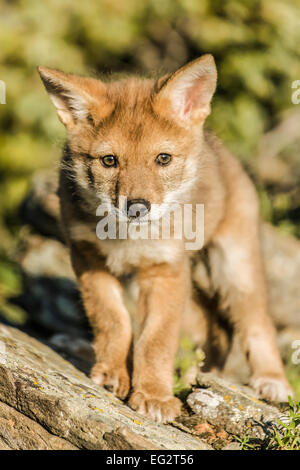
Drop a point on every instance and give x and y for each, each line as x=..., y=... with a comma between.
x=116, y=380
x=272, y=388
x=160, y=410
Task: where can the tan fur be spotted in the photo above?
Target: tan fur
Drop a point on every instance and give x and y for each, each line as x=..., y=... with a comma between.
x=137, y=119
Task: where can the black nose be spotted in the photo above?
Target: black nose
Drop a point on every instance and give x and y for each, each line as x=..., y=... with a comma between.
x=137, y=207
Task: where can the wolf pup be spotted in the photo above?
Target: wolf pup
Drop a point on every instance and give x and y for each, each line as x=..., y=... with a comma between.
x=142, y=141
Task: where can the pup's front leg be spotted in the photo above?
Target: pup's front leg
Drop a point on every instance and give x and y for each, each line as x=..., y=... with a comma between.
x=102, y=297
x=160, y=305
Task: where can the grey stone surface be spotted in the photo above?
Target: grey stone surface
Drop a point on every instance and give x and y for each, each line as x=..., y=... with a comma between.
x=49, y=392
x=231, y=407
x=18, y=432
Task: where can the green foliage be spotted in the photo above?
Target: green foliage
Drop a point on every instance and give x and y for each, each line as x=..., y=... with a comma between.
x=285, y=435
x=10, y=285
x=188, y=359
x=293, y=375
x=246, y=442
x=274, y=209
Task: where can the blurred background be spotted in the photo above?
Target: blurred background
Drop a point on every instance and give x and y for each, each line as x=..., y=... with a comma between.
x=256, y=44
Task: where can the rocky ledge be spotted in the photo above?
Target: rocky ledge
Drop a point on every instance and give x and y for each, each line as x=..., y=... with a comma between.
x=46, y=403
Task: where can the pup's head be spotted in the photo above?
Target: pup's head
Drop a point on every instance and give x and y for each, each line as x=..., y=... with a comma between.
x=135, y=140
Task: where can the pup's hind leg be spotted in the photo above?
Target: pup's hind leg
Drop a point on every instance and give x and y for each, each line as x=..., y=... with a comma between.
x=237, y=272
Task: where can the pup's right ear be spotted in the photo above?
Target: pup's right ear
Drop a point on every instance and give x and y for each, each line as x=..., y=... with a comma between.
x=75, y=98
x=187, y=93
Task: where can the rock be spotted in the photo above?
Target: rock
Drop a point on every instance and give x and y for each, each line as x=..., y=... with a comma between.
x=18, y=432
x=232, y=446
x=46, y=403
x=230, y=407
x=47, y=394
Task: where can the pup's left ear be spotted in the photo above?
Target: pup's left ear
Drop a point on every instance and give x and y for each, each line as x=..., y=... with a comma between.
x=186, y=95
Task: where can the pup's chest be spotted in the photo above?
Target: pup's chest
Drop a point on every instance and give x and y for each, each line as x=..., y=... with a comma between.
x=124, y=256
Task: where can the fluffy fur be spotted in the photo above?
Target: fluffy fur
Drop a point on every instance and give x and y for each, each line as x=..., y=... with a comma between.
x=135, y=120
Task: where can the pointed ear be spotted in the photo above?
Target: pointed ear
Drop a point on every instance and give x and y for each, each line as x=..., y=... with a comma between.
x=75, y=98
x=186, y=95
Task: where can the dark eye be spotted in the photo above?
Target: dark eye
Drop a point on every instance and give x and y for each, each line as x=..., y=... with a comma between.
x=109, y=161
x=163, y=159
